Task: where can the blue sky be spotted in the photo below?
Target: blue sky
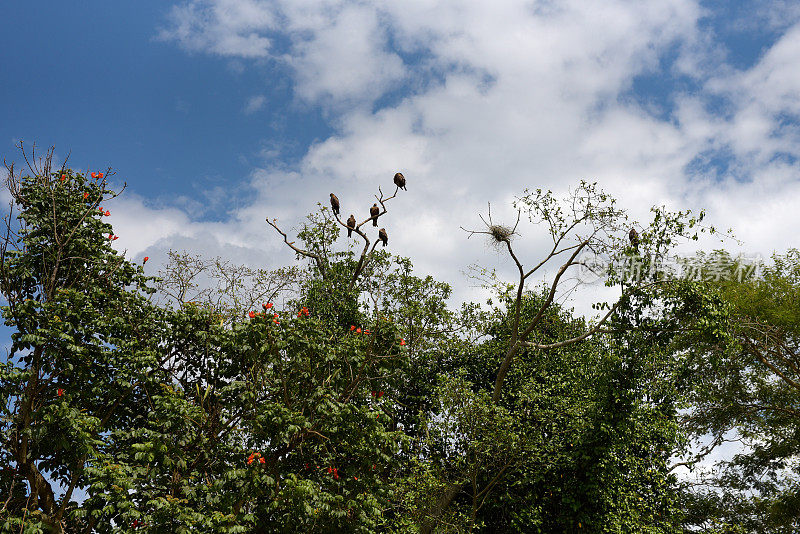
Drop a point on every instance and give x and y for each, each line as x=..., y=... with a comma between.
x=219, y=113
x=96, y=81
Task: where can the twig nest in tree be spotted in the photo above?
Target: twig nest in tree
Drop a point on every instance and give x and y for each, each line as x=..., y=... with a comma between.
x=500, y=233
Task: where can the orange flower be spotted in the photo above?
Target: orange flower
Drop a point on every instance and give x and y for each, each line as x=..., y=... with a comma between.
x=145, y=259
x=60, y=392
x=352, y=328
x=107, y=213
x=99, y=174
x=355, y=478
x=267, y=306
x=402, y=342
x=366, y=332
x=85, y=195
x=262, y=460
x=252, y=315
x=94, y=175
x=358, y=330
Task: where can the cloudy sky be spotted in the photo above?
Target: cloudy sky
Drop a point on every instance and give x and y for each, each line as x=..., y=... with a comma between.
x=219, y=113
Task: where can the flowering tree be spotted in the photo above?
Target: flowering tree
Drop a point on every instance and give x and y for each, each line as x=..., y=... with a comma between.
x=118, y=414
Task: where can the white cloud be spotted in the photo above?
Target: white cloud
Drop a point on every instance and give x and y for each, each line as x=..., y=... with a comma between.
x=255, y=103
x=507, y=95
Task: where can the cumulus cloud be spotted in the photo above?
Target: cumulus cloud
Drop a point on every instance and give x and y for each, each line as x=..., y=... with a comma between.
x=476, y=101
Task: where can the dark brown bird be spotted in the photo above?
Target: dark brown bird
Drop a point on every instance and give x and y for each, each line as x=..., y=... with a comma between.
x=351, y=224
x=383, y=236
x=633, y=235
x=373, y=212
x=400, y=181
x=335, y=204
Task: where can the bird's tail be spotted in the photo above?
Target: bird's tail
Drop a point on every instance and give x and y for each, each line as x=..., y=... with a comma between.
x=375, y=221
x=349, y=233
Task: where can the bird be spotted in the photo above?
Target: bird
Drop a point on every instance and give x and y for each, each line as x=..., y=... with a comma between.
x=335, y=204
x=373, y=212
x=400, y=181
x=633, y=235
x=383, y=236
x=351, y=223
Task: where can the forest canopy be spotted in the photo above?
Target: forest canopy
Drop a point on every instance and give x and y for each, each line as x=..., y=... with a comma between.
x=344, y=393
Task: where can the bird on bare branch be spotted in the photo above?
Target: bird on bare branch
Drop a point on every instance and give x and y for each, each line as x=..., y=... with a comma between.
x=633, y=235
x=373, y=212
x=400, y=181
x=351, y=224
x=383, y=236
x=335, y=204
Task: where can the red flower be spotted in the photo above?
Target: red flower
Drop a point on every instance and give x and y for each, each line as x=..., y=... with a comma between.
x=373, y=392
x=111, y=237
x=366, y=332
x=250, y=460
x=336, y=473
x=115, y=238
x=262, y=460
x=101, y=210
x=380, y=394
x=358, y=330
x=94, y=175
x=63, y=177
x=355, y=478
x=402, y=342
x=136, y=523
x=330, y=470
x=267, y=306
x=85, y=195
x=99, y=174
x=145, y=259
x=352, y=328
x=60, y=392
x=107, y=213
x=252, y=314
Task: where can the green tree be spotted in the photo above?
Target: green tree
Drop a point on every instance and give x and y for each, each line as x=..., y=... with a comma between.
x=169, y=418
x=748, y=390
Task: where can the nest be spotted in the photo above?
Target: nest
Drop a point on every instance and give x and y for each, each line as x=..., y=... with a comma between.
x=500, y=233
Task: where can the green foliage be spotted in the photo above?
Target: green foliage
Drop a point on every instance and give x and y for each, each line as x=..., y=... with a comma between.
x=577, y=441
x=171, y=419
x=366, y=404
x=749, y=387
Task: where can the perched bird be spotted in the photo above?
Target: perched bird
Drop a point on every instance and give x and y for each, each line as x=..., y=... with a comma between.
x=373, y=212
x=633, y=235
x=400, y=181
x=335, y=204
x=351, y=224
x=383, y=236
